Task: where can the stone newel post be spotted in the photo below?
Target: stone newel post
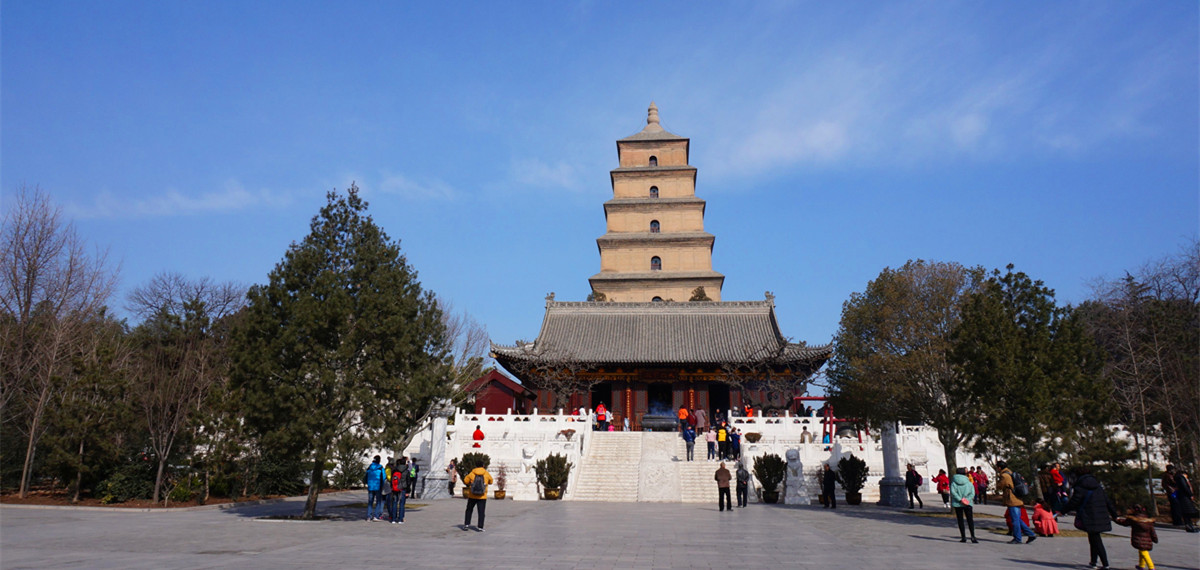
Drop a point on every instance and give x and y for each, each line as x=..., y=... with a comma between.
x=891, y=487
x=436, y=478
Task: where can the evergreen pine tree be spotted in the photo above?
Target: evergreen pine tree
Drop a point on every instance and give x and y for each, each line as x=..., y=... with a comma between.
x=341, y=342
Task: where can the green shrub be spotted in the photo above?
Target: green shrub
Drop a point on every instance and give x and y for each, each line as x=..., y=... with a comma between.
x=769, y=469
x=852, y=473
x=186, y=489
x=128, y=482
x=553, y=471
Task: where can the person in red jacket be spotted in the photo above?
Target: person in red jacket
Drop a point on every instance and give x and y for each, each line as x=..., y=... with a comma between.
x=943, y=487
x=602, y=417
x=477, y=436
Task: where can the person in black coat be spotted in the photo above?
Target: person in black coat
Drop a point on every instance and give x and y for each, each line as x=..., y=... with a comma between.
x=1185, y=497
x=828, y=479
x=1094, y=512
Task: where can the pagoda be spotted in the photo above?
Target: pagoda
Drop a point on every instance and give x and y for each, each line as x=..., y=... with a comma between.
x=655, y=247
x=654, y=335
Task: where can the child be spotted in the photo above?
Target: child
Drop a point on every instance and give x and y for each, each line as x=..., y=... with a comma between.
x=1142, y=535
x=1043, y=520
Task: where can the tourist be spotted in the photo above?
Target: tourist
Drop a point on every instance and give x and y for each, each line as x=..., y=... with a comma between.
x=723, y=442
x=1185, y=497
x=743, y=484
x=943, y=487
x=1168, y=485
x=829, y=478
x=711, y=439
x=385, y=488
x=1141, y=535
x=1094, y=512
x=912, y=482
x=374, y=479
x=962, y=493
x=413, y=469
x=722, y=478
x=691, y=419
x=477, y=436
x=683, y=415
x=1046, y=482
x=452, y=471
x=602, y=417
x=749, y=411
x=805, y=435
x=1059, y=497
x=701, y=420
x=735, y=444
x=689, y=439
x=1014, y=504
x=476, y=494
x=981, y=484
x=399, y=486
x=1043, y=520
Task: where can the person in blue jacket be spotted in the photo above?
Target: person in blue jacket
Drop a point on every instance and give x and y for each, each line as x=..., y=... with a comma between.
x=374, y=480
x=689, y=437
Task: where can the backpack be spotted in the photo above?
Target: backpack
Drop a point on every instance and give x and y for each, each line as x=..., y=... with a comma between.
x=396, y=478
x=1020, y=487
x=478, y=485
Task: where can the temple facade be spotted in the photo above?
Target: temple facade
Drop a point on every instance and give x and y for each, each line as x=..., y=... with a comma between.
x=655, y=336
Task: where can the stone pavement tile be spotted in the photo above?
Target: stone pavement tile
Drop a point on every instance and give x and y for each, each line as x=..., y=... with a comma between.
x=541, y=535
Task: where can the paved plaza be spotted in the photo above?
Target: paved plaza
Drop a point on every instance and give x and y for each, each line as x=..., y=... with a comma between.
x=541, y=535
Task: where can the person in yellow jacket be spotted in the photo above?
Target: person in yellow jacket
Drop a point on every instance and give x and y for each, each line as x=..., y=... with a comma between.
x=476, y=499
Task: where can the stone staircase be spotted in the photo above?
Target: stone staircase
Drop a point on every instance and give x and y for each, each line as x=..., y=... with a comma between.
x=609, y=471
x=644, y=467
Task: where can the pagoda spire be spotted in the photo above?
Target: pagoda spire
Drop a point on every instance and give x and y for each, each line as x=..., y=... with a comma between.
x=652, y=125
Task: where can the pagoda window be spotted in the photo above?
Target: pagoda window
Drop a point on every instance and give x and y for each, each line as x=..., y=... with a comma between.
x=655, y=264
x=654, y=226
x=654, y=191
x=654, y=161
x=657, y=299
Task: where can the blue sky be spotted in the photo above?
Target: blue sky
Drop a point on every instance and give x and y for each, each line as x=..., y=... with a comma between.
x=832, y=139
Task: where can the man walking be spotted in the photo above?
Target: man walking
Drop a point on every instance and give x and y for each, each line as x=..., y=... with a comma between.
x=689, y=439
x=743, y=484
x=722, y=477
x=1007, y=488
x=374, y=480
x=477, y=482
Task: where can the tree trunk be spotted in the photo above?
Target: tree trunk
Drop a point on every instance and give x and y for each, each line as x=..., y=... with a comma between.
x=78, y=474
x=314, y=485
x=31, y=446
x=162, y=464
x=950, y=443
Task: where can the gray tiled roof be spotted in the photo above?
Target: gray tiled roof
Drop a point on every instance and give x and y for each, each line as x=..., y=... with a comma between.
x=662, y=333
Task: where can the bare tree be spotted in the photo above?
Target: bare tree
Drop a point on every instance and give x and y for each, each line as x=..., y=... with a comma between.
x=468, y=340
x=553, y=369
x=180, y=356
x=49, y=288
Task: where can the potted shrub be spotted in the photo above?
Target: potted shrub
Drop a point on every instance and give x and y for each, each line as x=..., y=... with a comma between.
x=469, y=462
x=552, y=473
x=753, y=437
x=501, y=482
x=769, y=470
x=852, y=472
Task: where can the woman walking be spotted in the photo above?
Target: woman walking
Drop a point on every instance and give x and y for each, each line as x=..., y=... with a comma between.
x=1094, y=513
x=962, y=494
x=943, y=487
